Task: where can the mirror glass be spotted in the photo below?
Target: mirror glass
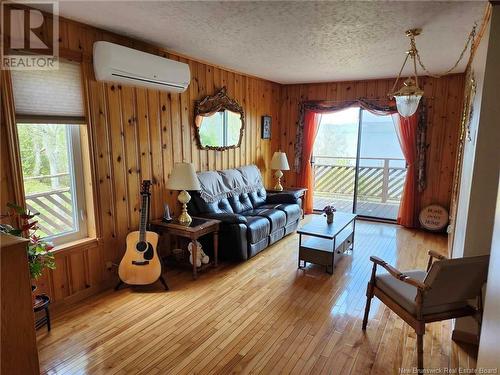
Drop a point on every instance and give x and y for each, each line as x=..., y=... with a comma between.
x=221, y=129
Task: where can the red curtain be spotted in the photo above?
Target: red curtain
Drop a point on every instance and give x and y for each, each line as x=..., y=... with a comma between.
x=305, y=177
x=406, y=129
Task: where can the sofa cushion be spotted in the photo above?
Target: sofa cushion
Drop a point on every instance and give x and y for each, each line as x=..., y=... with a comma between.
x=258, y=228
x=220, y=206
x=258, y=197
x=277, y=218
x=255, y=248
x=292, y=211
x=240, y=203
x=276, y=236
x=227, y=218
x=404, y=294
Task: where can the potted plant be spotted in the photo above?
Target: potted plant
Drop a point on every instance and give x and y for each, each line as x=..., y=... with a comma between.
x=329, y=211
x=39, y=255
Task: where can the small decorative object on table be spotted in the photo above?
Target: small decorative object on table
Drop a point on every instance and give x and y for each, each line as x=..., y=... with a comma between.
x=329, y=211
x=166, y=214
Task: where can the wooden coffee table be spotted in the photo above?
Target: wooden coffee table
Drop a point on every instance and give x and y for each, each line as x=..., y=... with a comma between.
x=320, y=241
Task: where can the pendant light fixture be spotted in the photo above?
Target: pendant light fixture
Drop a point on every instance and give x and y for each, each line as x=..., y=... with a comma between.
x=408, y=96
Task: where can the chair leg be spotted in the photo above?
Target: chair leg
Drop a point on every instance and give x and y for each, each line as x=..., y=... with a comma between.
x=369, y=296
x=420, y=353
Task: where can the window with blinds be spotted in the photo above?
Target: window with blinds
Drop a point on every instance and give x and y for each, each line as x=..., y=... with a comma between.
x=50, y=117
x=51, y=93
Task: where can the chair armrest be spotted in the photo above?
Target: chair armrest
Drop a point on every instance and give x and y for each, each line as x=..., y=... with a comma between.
x=282, y=198
x=398, y=274
x=226, y=218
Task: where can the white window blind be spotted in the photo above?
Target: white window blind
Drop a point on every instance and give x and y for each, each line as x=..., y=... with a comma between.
x=54, y=93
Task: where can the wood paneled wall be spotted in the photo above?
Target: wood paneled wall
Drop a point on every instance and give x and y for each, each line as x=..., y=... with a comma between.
x=138, y=134
x=444, y=102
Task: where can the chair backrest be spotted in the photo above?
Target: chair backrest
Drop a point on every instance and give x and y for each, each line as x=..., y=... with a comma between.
x=455, y=280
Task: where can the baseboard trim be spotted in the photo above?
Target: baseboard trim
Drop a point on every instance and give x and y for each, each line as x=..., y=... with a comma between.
x=63, y=305
x=465, y=337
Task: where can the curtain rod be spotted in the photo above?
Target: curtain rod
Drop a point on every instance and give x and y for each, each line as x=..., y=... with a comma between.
x=351, y=100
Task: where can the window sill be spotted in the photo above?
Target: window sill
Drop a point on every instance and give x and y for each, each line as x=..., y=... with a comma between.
x=73, y=245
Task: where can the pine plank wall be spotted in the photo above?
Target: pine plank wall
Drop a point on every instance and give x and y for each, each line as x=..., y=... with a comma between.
x=138, y=134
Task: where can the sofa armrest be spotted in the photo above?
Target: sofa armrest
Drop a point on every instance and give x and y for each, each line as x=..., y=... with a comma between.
x=284, y=197
x=226, y=218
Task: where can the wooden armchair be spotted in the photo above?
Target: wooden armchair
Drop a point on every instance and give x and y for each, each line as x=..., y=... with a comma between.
x=442, y=292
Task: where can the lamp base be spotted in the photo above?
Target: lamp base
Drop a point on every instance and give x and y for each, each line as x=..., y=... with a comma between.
x=184, y=218
x=278, y=174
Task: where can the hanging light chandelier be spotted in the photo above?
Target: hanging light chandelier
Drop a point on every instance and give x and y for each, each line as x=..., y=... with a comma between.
x=408, y=96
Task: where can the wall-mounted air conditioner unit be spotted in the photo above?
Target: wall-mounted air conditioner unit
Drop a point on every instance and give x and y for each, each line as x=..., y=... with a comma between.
x=115, y=63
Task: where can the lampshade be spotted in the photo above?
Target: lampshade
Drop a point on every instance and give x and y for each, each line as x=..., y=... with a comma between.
x=183, y=177
x=279, y=161
x=407, y=104
x=408, y=97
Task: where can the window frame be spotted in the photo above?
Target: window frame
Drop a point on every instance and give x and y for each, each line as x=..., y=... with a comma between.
x=77, y=183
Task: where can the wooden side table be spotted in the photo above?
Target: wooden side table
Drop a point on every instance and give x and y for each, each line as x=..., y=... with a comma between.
x=298, y=192
x=199, y=227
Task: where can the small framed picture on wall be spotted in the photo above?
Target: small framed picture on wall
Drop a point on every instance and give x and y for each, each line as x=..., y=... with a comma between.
x=266, y=127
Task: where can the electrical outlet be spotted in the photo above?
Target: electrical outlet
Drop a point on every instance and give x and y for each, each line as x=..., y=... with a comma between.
x=109, y=265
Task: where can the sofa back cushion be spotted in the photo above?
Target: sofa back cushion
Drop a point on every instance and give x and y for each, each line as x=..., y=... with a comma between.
x=240, y=203
x=229, y=191
x=258, y=198
x=221, y=206
x=213, y=186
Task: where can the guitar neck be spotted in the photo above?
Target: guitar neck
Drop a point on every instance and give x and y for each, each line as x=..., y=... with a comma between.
x=144, y=217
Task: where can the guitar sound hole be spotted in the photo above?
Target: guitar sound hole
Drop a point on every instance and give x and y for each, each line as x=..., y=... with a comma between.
x=141, y=246
x=149, y=254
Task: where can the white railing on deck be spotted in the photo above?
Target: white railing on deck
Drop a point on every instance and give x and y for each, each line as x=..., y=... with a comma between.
x=380, y=179
x=55, y=208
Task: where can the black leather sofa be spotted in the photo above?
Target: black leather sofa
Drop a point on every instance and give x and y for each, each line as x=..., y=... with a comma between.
x=251, y=220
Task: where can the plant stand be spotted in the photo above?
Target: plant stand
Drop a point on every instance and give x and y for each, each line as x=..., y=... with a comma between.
x=42, y=303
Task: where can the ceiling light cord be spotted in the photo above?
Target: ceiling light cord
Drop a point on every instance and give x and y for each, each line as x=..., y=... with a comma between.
x=470, y=40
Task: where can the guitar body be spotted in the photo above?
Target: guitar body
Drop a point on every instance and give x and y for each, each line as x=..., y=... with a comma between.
x=140, y=265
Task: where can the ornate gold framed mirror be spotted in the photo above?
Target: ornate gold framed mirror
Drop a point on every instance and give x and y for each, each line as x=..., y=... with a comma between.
x=219, y=122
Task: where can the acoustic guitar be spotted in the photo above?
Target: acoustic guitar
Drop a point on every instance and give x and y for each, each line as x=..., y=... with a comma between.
x=141, y=265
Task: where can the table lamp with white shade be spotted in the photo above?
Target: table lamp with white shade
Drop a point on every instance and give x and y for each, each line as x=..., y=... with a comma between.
x=280, y=163
x=183, y=177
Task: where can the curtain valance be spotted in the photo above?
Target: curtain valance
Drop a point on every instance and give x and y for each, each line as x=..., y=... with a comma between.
x=377, y=107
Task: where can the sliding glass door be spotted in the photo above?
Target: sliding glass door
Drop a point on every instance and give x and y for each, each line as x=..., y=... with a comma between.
x=334, y=158
x=358, y=164
x=381, y=168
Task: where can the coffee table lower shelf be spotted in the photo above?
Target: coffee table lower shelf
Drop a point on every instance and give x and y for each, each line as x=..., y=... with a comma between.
x=320, y=251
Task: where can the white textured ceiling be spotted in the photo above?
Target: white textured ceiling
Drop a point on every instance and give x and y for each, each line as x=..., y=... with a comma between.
x=293, y=42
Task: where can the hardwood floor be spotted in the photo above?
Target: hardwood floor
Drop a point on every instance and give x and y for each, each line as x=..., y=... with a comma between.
x=260, y=316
